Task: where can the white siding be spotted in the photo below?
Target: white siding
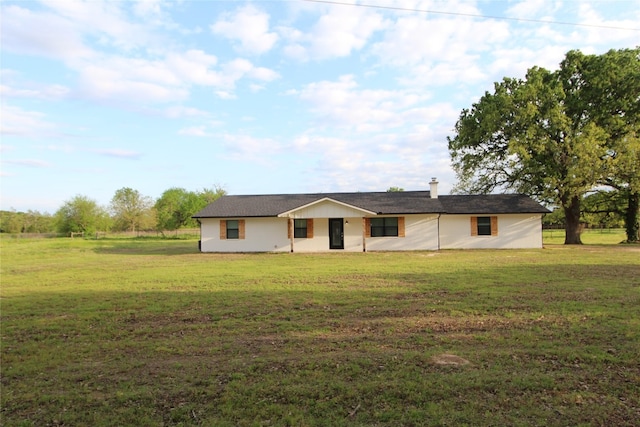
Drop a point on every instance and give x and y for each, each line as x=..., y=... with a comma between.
x=271, y=235
x=261, y=235
x=514, y=231
x=352, y=234
x=327, y=209
x=421, y=233
x=320, y=240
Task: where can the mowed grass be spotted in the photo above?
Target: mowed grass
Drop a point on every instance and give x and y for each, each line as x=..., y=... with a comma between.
x=150, y=332
x=604, y=236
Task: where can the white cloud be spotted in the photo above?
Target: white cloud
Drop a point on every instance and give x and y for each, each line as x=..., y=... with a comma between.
x=66, y=148
x=386, y=157
x=466, y=70
x=247, y=148
x=18, y=34
x=393, y=138
x=147, y=8
x=195, y=67
x=249, y=26
x=171, y=79
x=144, y=69
x=66, y=30
x=341, y=31
x=337, y=33
x=531, y=9
x=416, y=39
x=605, y=36
x=19, y=122
x=240, y=68
x=36, y=91
x=376, y=164
x=181, y=111
x=514, y=62
x=9, y=92
x=32, y=163
x=223, y=94
x=116, y=80
x=106, y=21
x=14, y=85
x=198, y=131
x=263, y=74
x=295, y=51
x=343, y=104
x=119, y=153
x=256, y=87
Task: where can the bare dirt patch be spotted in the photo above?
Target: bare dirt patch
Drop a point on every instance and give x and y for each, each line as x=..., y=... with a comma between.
x=449, y=360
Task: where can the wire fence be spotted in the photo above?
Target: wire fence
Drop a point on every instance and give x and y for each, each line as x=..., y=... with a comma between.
x=180, y=233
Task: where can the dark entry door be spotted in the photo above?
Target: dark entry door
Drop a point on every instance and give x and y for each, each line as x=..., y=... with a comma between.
x=336, y=233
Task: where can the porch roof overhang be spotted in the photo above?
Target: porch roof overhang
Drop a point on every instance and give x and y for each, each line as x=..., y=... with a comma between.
x=290, y=213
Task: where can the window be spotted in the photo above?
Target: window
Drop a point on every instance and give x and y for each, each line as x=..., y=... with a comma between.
x=300, y=228
x=381, y=227
x=484, y=225
x=384, y=227
x=232, y=229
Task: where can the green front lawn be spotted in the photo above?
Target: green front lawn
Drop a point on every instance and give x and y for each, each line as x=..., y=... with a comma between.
x=150, y=332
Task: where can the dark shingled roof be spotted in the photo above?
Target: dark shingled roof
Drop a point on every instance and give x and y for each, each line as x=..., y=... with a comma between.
x=383, y=203
x=491, y=204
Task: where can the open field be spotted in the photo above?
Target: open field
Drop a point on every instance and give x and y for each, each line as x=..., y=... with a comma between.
x=150, y=332
x=590, y=236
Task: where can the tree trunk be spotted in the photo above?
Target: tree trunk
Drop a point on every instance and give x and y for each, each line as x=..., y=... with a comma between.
x=572, y=226
x=631, y=220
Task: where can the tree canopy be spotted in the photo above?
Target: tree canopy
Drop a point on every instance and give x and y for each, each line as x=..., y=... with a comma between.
x=25, y=222
x=131, y=210
x=81, y=215
x=554, y=135
x=616, y=92
x=176, y=206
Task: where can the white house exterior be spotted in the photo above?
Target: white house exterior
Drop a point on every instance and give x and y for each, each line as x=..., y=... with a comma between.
x=358, y=222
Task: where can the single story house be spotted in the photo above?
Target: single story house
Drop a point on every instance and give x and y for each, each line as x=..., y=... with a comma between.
x=370, y=221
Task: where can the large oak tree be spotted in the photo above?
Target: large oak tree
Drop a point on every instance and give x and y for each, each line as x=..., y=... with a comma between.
x=548, y=134
x=610, y=86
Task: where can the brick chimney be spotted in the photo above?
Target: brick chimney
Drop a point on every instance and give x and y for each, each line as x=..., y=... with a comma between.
x=434, y=188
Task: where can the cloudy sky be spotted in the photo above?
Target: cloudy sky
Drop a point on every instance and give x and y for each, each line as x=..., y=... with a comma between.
x=264, y=96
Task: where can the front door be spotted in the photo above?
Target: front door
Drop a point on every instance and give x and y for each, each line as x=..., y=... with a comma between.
x=336, y=233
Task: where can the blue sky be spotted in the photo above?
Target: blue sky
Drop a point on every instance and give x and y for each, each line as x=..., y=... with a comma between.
x=262, y=97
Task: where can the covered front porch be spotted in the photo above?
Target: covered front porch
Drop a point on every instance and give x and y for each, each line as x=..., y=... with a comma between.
x=327, y=224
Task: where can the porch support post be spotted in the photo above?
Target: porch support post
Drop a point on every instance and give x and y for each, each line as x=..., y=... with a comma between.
x=364, y=234
x=291, y=232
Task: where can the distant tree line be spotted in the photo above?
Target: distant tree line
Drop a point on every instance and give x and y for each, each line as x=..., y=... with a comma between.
x=26, y=222
x=128, y=210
